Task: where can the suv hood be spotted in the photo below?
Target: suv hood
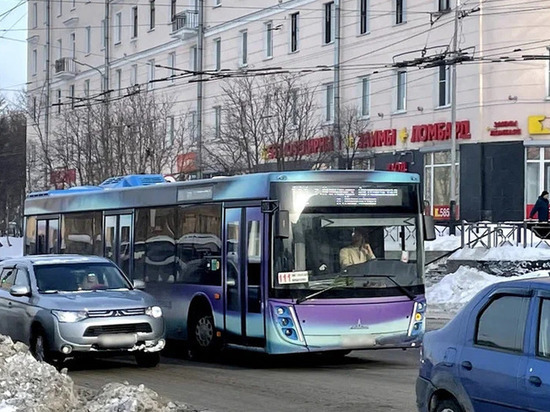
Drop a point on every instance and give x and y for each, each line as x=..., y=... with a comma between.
x=97, y=300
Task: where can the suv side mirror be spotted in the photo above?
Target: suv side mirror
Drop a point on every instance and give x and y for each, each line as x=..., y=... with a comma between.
x=20, y=291
x=429, y=228
x=139, y=284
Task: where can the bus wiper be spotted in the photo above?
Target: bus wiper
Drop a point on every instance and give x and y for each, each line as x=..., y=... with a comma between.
x=300, y=300
x=400, y=287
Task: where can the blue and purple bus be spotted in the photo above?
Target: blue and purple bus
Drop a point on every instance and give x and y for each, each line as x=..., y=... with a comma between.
x=255, y=261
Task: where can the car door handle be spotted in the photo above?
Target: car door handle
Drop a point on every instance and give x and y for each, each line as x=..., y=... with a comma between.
x=467, y=365
x=535, y=380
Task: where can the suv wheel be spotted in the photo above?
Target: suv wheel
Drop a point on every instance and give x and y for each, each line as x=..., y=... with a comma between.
x=448, y=405
x=147, y=359
x=40, y=349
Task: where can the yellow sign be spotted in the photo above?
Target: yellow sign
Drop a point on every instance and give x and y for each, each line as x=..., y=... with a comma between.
x=403, y=135
x=539, y=124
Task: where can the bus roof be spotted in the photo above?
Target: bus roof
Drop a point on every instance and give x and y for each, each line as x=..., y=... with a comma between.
x=127, y=192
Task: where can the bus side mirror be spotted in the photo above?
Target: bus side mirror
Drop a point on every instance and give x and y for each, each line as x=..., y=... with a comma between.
x=429, y=228
x=281, y=220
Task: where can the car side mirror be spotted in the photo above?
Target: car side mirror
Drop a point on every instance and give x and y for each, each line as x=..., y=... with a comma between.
x=139, y=284
x=20, y=291
x=429, y=228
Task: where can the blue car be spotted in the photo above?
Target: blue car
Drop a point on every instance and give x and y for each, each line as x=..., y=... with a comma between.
x=493, y=356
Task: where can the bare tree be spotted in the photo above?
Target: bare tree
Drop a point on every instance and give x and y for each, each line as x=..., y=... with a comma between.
x=353, y=129
x=265, y=118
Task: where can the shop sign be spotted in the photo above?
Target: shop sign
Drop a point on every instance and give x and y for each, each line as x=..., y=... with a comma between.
x=60, y=176
x=539, y=124
x=398, y=167
x=300, y=148
x=443, y=212
x=505, y=128
x=377, y=138
x=186, y=162
x=440, y=131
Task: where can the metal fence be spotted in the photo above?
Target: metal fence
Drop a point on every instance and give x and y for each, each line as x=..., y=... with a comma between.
x=486, y=234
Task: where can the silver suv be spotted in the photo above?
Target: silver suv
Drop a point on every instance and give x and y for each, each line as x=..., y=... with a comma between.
x=63, y=305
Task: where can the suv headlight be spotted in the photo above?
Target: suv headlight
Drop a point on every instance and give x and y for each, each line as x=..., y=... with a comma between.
x=69, y=317
x=154, y=311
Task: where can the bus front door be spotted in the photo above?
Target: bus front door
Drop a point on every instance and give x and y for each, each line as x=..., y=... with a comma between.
x=244, y=320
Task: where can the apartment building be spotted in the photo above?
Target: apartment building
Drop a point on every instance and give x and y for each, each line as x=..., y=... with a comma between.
x=390, y=60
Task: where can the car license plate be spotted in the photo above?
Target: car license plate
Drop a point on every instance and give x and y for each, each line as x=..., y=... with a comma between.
x=121, y=340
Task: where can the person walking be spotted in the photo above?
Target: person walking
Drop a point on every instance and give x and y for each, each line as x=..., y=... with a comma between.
x=541, y=207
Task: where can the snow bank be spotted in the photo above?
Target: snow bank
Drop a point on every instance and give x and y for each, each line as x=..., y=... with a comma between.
x=455, y=290
x=506, y=253
x=28, y=385
x=443, y=243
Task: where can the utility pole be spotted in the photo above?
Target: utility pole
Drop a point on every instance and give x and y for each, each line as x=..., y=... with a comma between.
x=337, y=52
x=48, y=99
x=200, y=52
x=452, y=205
x=106, y=94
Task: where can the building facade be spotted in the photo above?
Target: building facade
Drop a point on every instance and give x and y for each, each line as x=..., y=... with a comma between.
x=389, y=60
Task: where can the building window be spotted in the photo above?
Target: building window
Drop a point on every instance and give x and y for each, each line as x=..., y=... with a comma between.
x=71, y=95
x=269, y=39
x=134, y=75
x=45, y=57
x=193, y=59
x=88, y=40
x=294, y=110
x=151, y=75
x=118, y=27
x=444, y=86
x=444, y=5
x=399, y=11
x=87, y=88
x=537, y=174
x=59, y=49
x=243, y=60
x=217, y=54
x=119, y=82
x=294, y=32
x=401, y=104
x=217, y=121
x=59, y=7
x=193, y=126
x=58, y=101
x=103, y=33
x=329, y=22
x=217, y=2
x=548, y=74
x=34, y=64
x=172, y=65
x=73, y=5
x=134, y=22
x=437, y=182
x=363, y=16
x=34, y=15
x=365, y=97
x=169, y=130
x=329, y=102
x=73, y=45
x=151, y=14
x=173, y=10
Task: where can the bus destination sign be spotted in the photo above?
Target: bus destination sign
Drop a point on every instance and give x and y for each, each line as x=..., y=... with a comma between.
x=319, y=196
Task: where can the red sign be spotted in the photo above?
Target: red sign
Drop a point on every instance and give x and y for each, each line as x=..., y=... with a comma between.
x=440, y=131
x=377, y=138
x=505, y=128
x=186, y=162
x=398, y=167
x=443, y=212
x=301, y=147
x=61, y=176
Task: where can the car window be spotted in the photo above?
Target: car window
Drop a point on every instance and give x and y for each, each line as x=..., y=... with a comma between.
x=7, y=277
x=22, y=277
x=501, y=324
x=543, y=346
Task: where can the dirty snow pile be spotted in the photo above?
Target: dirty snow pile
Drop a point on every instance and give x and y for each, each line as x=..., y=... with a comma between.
x=455, y=290
x=28, y=385
x=502, y=253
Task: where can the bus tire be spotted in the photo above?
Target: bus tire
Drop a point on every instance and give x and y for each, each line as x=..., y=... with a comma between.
x=202, y=335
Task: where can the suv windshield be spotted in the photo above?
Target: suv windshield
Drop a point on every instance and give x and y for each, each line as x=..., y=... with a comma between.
x=75, y=277
x=347, y=252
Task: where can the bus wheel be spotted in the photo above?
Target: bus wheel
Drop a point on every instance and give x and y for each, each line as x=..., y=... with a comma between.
x=202, y=335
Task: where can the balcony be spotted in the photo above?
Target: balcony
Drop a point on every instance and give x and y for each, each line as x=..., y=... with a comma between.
x=65, y=68
x=185, y=24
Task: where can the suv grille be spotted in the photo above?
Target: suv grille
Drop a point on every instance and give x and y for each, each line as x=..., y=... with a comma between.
x=115, y=312
x=108, y=329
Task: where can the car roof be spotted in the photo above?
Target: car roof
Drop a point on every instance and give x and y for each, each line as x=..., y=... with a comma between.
x=534, y=282
x=54, y=259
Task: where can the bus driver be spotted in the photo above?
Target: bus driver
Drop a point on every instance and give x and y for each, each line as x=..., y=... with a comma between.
x=359, y=251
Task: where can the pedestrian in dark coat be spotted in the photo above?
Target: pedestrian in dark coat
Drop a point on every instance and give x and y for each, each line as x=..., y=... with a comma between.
x=541, y=207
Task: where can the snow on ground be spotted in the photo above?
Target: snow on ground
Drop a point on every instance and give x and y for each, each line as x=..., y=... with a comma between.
x=506, y=253
x=455, y=290
x=29, y=385
x=11, y=247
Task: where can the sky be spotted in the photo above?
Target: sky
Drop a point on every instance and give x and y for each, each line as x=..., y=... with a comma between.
x=13, y=47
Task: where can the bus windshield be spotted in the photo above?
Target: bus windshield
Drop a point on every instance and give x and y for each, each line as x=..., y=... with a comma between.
x=342, y=247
